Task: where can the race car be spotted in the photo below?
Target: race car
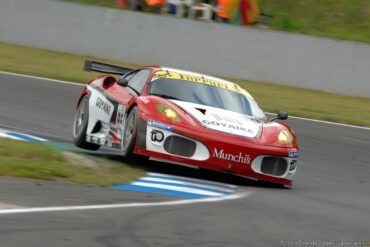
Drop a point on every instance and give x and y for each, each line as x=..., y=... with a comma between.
x=184, y=118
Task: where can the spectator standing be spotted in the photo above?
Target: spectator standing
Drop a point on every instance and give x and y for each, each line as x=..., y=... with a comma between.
x=213, y=3
x=224, y=10
x=121, y=3
x=155, y=6
x=130, y=4
x=133, y=4
x=228, y=10
x=249, y=11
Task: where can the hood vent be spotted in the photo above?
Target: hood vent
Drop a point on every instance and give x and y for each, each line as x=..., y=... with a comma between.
x=203, y=111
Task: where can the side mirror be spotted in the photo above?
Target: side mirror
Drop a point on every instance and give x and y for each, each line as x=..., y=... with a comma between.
x=280, y=116
x=122, y=82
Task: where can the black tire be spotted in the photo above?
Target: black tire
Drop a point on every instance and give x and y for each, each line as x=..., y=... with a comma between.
x=80, y=126
x=129, y=133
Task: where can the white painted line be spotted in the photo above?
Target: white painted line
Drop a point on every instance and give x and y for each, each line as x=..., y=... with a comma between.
x=332, y=123
x=185, y=183
x=19, y=136
x=178, y=188
x=43, y=78
x=125, y=205
x=194, y=179
x=324, y=122
x=31, y=136
x=3, y=135
x=81, y=85
x=12, y=129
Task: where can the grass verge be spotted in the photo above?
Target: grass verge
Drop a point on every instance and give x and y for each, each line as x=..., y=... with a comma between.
x=340, y=19
x=296, y=101
x=46, y=63
x=39, y=161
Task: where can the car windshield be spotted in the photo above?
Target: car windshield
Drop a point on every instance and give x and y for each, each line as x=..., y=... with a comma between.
x=205, y=94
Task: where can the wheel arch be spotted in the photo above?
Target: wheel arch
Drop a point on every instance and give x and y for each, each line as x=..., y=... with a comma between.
x=83, y=94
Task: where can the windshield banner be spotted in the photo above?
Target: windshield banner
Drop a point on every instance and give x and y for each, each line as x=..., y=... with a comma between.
x=201, y=79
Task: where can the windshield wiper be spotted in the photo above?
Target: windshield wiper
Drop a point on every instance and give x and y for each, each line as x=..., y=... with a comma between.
x=165, y=96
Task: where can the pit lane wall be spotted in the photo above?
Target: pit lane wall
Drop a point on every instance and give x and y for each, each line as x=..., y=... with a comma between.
x=223, y=50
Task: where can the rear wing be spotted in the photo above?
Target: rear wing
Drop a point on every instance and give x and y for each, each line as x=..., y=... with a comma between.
x=105, y=68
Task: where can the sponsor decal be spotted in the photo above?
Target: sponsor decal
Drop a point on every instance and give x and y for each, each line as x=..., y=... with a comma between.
x=103, y=105
x=160, y=125
x=293, y=165
x=227, y=125
x=227, y=119
x=293, y=154
x=156, y=136
x=201, y=79
x=239, y=158
x=94, y=139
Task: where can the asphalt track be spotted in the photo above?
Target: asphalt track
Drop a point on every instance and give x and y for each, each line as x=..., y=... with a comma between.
x=330, y=199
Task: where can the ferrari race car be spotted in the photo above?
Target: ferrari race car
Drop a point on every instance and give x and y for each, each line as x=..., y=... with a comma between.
x=184, y=118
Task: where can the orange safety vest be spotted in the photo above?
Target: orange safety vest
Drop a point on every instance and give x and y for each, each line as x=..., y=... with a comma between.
x=154, y=2
x=224, y=7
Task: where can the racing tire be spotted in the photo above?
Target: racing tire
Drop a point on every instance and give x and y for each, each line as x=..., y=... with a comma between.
x=80, y=126
x=130, y=133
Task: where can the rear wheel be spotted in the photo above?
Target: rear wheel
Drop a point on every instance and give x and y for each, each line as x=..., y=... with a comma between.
x=130, y=132
x=80, y=126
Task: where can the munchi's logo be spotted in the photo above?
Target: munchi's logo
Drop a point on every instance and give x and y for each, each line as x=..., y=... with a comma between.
x=240, y=158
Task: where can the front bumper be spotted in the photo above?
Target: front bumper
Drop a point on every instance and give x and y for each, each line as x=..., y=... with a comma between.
x=180, y=145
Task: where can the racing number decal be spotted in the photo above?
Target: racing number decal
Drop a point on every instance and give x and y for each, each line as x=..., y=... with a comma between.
x=121, y=111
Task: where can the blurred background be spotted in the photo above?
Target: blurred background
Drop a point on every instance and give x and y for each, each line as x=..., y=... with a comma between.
x=341, y=19
x=310, y=58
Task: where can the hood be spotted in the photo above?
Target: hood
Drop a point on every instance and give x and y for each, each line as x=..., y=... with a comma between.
x=222, y=120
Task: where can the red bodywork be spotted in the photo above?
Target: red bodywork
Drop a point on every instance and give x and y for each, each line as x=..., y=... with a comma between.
x=266, y=142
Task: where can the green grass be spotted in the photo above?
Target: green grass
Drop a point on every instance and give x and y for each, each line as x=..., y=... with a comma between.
x=39, y=161
x=296, y=101
x=310, y=103
x=51, y=64
x=339, y=19
x=104, y=3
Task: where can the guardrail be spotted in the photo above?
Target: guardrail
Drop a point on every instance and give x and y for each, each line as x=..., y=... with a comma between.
x=223, y=50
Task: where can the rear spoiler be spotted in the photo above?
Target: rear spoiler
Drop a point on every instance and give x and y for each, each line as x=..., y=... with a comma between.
x=105, y=68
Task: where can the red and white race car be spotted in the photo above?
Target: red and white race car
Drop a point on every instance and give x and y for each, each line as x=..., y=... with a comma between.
x=185, y=118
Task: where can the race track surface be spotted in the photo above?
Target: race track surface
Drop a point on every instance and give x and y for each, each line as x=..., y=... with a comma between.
x=330, y=199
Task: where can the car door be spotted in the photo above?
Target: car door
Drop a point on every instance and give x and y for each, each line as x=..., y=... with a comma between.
x=124, y=97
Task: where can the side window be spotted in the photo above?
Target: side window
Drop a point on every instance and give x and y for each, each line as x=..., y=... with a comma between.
x=139, y=80
x=129, y=75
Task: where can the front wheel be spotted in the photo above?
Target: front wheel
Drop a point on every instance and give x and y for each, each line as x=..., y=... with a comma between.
x=80, y=126
x=130, y=132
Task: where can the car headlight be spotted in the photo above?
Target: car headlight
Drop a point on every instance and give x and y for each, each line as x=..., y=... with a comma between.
x=285, y=137
x=168, y=112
